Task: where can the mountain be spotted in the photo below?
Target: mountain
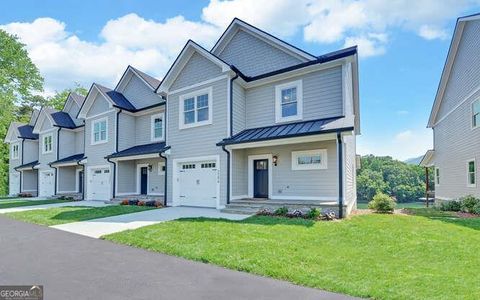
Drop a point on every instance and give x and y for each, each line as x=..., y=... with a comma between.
x=413, y=160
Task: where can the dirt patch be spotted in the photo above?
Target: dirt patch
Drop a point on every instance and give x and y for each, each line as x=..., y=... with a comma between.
x=465, y=215
x=358, y=212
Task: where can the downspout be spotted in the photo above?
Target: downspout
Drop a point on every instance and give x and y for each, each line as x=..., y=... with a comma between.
x=20, y=172
x=231, y=103
x=340, y=174
x=116, y=150
x=164, y=179
x=58, y=155
x=228, y=173
x=83, y=183
x=114, y=175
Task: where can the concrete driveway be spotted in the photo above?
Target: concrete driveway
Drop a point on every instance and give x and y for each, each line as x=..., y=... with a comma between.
x=43, y=206
x=71, y=266
x=98, y=227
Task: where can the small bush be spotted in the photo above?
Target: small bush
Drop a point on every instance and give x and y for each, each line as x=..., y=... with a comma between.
x=314, y=213
x=133, y=202
x=150, y=203
x=124, y=202
x=158, y=204
x=264, y=212
x=382, y=203
x=141, y=203
x=281, y=211
x=452, y=205
x=295, y=214
x=476, y=208
x=468, y=203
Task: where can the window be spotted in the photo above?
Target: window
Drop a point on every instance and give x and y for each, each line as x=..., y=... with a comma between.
x=471, y=174
x=309, y=160
x=188, y=166
x=437, y=176
x=157, y=127
x=99, y=131
x=476, y=113
x=196, y=109
x=208, y=165
x=289, y=101
x=15, y=148
x=47, y=144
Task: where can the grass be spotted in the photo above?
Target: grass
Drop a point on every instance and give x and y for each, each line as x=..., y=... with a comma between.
x=374, y=256
x=363, y=205
x=19, y=202
x=69, y=214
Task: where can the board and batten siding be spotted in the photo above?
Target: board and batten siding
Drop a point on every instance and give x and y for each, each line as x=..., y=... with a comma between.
x=139, y=93
x=322, y=98
x=252, y=56
x=465, y=74
x=196, y=70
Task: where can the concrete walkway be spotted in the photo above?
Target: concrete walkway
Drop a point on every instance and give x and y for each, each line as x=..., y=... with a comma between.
x=98, y=227
x=44, y=206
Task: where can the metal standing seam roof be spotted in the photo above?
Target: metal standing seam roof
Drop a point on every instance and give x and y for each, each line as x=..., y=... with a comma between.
x=27, y=165
x=72, y=158
x=63, y=119
x=117, y=98
x=140, y=150
x=289, y=130
x=26, y=132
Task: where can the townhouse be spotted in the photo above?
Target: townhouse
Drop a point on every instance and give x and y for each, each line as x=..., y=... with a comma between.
x=253, y=120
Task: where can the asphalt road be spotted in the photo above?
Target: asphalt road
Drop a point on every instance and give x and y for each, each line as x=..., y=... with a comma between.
x=70, y=266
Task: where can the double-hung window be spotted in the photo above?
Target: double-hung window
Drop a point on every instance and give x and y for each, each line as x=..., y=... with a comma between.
x=476, y=114
x=471, y=174
x=195, y=109
x=99, y=131
x=157, y=127
x=15, y=151
x=309, y=159
x=47, y=146
x=289, y=101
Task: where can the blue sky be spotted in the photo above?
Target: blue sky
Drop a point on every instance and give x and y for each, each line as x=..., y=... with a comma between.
x=402, y=47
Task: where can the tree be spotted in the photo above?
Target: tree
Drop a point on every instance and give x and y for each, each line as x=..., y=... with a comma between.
x=19, y=80
x=57, y=101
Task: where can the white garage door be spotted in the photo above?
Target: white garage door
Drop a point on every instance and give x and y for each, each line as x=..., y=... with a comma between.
x=47, y=184
x=14, y=187
x=198, y=183
x=99, y=187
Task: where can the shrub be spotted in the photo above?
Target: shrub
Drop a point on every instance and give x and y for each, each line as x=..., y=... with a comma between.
x=158, y=204
x=295, y=214
x=281, y=211
x=124, y=202
x=141, y=203
x=150, y=203
x=382, y=203
x=314, y=213
x=132, y=202
x=264, y=212
x=476, y=208
x=468, y=203
x=452, y=205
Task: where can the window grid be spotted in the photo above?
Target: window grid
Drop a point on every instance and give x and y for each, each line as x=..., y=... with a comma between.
x=47, y=144
x=471, y=173
x=476, y=113
x=196, y=109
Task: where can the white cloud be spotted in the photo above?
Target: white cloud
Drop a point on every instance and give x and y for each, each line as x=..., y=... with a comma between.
x=432, y=33
x=372, y=44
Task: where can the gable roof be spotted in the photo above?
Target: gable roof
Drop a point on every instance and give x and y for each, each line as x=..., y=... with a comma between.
x=150, y=81
x=26, y=132
x=447, y=68
x=265, y=36
x=63, y=119
x=74, y=97
x=182, y=59
x=117, y=98
x=33, y=117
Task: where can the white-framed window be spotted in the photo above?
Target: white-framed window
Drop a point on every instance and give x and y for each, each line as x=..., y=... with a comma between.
x=100, y=131
x=47, y=143
x=309, y=159
x=161, y=168
x=471, y=173
x=289, y=101
x=437, y=176
x=195, y=109
x=156, y=127
x=476, y=113
x=15, y=151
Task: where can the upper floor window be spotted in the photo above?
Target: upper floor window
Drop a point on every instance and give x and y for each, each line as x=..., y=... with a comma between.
x=157, y=127
x=309, y=159
x=471, y=173
x=196, y=109
x=437, y=176
x=15, y=151
x=99, y=131
x=289, y=101
x=476, y=113
x=47, y=143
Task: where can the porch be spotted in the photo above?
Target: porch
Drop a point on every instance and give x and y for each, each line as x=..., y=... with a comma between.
x=70, y=176
x=28, y=178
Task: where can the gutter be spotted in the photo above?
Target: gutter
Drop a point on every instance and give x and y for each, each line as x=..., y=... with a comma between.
x=114, y=185
x=340, y=174
x=114, y=175
x=140, y=109
x=165, y=175
x=55, y=189
x=20, y=172
x=228, y=173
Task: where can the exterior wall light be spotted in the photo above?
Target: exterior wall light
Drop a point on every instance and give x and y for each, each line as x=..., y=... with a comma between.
x=274, y=160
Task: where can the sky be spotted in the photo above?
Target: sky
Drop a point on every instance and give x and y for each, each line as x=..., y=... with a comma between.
x=402, y=44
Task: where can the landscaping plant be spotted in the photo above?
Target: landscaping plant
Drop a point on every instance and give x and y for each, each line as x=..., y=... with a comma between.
x=382, y=203
x=314, y=213
x=281, y=211
x=468, y=203
x=452, y=205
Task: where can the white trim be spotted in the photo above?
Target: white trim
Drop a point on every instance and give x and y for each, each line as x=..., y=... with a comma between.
x=77, y=178
x=134, y=157
x=41, y=188
x=100, y=114
x=251, y=158
x=89, y=174
x=82, y=114
x=139, y=173
x=194, y=95
x=199, y=84
x=67, y=192
x=228, y=106
x=152, y=127
x=160, y=166
x=471, y=113
x=298, y=85
x=43, y=143
x=474, y=173
x=175, y=179
x=15, y=157
x=92, y=136
x=456, y=106
x=46, y=131
x=305, y=198
x=323, y=160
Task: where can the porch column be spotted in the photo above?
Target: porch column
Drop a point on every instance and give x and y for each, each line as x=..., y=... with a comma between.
x=426, y=185
x=340, y=174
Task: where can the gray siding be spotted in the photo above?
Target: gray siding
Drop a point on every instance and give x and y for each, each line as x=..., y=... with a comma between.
x=126, y=131
x=239, y=173
x=156, y=181
x=253, y=56
x=18, y=161
x=239, y=108
x=73, y=110
x=96, y=153
x=67, y=178
x=322, y=98
x=67, y=143
x=140, y=94
x=128, y=177
x=29, y=181
x=144, y=129
x=465, y=75
x=100, y=105
x=45, y=159
x=31, y=151
x=197, y=69
x=79, y=141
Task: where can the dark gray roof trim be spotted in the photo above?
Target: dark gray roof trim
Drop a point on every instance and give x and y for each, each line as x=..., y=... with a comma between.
x=141, y=150
x=26, y=132
x=63, y=119
x=117, y=98
x=70, y=159
x=27, y=165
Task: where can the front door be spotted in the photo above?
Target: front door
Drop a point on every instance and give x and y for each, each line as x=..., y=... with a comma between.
x=143, y=180
x=260, y=178
x=80, y=181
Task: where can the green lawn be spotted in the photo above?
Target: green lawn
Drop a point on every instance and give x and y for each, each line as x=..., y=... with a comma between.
x=69, y=214
x=19, y=202
x=399, y=205
x=435, y=256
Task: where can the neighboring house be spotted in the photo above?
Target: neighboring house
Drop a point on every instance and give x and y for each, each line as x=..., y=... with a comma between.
x=455, y=116
x=124, y=136
x=23, y=157
x=60, y=149
x=256, y=117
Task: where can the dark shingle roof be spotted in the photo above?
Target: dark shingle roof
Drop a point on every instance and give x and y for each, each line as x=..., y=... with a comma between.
x=140, y=150
x=27, y=165
x=153, y=82
x=62, y=119
x=74, y=158
x=26, y=132
x=287, y=131
x=117, y=98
